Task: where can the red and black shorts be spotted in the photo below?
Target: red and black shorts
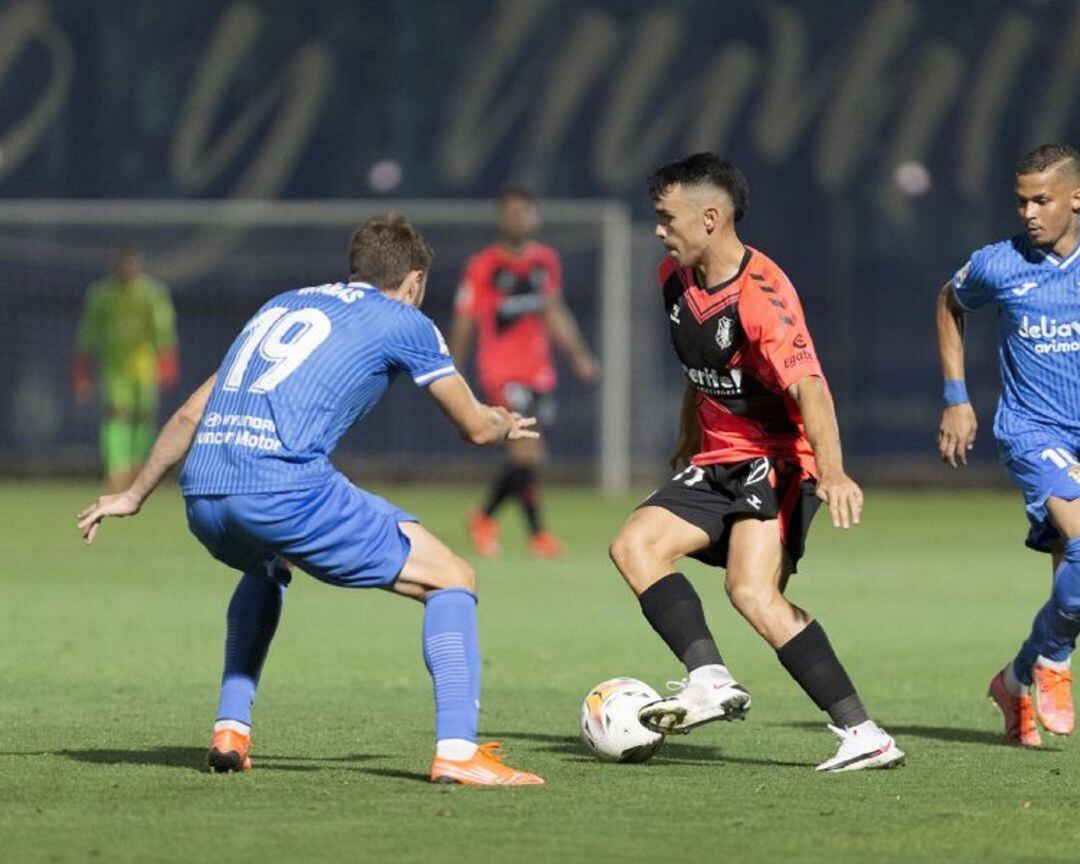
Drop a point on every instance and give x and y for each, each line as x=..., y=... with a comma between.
x=525, y=401
x=714, y=497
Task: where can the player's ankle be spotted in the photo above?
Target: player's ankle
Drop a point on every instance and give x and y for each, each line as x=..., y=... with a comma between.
x=233, y=726
x=455, y=749
x=712, y=672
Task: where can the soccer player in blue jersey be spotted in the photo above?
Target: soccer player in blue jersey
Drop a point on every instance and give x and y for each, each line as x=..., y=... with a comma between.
x=263, y=497
x=1034, y=282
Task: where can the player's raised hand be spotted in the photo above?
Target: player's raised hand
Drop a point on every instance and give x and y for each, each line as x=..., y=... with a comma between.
x=120, y=504
x=956, y=434
x=843, y=497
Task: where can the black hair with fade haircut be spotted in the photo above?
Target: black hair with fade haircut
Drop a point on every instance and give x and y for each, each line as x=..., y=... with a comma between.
x=1045, y=157
x=517, y=190
x=701, y=169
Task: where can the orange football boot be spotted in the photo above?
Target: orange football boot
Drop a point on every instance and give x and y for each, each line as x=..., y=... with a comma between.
x=484, y=534
x=485, y=768
x=1053, y=699
x=545, y=545
x=229, y=752
x=1019, y=713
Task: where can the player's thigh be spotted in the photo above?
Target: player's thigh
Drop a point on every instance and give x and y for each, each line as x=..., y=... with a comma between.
x=757, y=566
x=1048, y=476
x=1065, y=516
x=336, y=532
x=119, y=396
x=431, y=565
x=145, y=400
x=528, y=452
x=650, y=542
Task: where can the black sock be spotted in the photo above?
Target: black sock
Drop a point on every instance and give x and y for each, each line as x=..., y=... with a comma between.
x=529, y=492
x=505, y=485
x=673, y=608
x=810, y=660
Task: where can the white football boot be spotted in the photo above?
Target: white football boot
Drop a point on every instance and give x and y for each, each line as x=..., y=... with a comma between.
x=864, y=746
x=698, y=699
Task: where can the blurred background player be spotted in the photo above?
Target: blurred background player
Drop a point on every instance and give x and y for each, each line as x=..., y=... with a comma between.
x=262, y=495
x=127, y=330
x=760, y=434
x=1033, y=281
x=511, y=297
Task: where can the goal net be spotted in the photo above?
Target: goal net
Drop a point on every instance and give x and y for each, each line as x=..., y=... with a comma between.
x=222, y=260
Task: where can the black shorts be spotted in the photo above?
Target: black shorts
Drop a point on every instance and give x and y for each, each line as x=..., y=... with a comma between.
x=714, y=497
x=525, y=401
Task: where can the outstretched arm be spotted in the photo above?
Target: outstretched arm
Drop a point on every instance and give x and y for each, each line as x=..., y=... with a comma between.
x=956, y=434
x=564, y=331
x=169, y=448
x=835, y=488
x=478, y=424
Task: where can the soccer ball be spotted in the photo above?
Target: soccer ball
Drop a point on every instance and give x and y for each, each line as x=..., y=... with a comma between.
x=610, y=728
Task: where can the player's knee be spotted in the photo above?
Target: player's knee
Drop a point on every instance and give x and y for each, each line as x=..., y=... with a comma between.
x=752, y=600
x=628, y=551
x=460, y=574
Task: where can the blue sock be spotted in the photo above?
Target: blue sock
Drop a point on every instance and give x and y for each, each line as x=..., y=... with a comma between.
x=452, y=655
x=253, y=617
x=1057, y=624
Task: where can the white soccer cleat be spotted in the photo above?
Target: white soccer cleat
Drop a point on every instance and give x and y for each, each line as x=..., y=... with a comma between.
x=864, y=746
x=696, y=701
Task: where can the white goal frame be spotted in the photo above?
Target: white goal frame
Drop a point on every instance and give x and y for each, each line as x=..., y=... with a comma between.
x=612, y=217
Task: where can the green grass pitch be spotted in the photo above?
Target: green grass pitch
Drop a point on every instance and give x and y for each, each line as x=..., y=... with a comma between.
x=109, y=659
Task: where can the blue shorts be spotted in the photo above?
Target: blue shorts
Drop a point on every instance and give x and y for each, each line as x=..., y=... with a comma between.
x=336, y=532
x=1043, y=468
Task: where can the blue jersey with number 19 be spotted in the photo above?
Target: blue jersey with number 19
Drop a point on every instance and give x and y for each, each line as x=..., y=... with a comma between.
x=1037, y=295
x=309, y=364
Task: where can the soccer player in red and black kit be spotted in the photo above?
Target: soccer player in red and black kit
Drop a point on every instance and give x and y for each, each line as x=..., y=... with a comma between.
x=511, y=296
x=759, y=430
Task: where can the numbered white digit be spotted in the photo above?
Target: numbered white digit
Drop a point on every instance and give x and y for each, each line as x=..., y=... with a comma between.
x=283, y=338
x=694, y=473
x=307, y=329
x=255, y=330
x=1061, y=457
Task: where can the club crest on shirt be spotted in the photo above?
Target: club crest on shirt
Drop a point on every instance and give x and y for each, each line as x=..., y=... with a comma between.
x=725, y=332
x=1074, y=473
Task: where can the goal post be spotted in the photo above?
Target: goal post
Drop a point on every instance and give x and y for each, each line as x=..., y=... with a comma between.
x=220, y=256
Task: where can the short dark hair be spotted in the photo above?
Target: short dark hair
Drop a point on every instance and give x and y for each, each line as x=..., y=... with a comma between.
x=700, y=169
x=386, y=249
x=517, y=190
x=1046, y=156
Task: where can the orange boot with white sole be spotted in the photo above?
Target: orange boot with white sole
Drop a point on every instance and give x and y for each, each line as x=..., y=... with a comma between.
x=484, y=768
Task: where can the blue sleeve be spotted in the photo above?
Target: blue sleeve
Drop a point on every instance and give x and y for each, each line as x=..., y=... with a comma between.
x=417, y=346
x=971, y=284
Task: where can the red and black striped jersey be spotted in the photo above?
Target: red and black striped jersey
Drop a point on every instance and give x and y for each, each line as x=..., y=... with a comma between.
x=742, y=344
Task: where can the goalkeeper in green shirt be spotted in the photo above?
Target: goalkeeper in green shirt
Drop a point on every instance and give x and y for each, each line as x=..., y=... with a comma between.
x=128, y=330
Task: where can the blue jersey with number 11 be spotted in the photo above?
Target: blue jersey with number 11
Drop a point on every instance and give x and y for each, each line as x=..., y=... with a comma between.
x=1037, y=295
x=309, y=364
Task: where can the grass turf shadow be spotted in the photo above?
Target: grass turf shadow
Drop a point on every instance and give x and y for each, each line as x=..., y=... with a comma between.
x=949, y=734
x=194, y=758
x=670, y=753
